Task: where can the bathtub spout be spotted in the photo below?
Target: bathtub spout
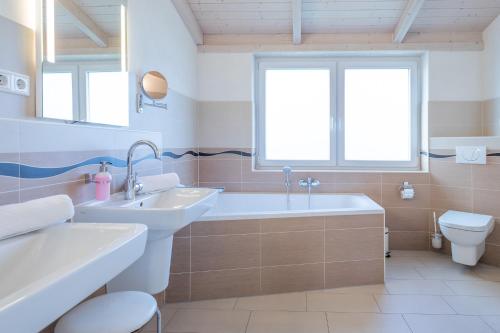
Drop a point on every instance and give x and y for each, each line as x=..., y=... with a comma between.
x=309, y=183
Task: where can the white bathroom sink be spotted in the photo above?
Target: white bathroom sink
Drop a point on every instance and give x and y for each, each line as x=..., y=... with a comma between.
x=167, y=211
x=47, y=272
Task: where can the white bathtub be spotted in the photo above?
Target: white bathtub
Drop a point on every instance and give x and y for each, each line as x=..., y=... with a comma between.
x=246, y=206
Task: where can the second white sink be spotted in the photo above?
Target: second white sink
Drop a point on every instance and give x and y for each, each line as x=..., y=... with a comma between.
x=167, y=211
x=47, y=272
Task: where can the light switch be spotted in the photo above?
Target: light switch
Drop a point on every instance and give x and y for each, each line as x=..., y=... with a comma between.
x=471, y=154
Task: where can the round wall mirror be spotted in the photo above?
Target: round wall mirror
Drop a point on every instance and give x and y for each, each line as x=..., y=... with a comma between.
x=154, y=85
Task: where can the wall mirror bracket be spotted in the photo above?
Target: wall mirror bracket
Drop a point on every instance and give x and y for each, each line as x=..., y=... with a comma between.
x=153, y=86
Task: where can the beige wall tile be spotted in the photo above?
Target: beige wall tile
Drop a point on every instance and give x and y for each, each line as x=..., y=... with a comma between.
x=486, y=202
x=371, y=190
x=391, y=197
x=408, y=240
x=263, y=187
x=450, y=174
x=210, y=228
x=401, y=177
x=354, y=221
x=187, y=171
x=292, y=248
x=220, y=170
x=224, y=252
x=282, y=279
x=251, y=176
x=494, y=237
x=457, y=198
x=354, y=244
x=353, y=273
x=407, y=219
x=357, y=177
x=225, y=283
x=491, y=255
x=293, y=224
x=181, y=256
x=228, y=187
x=178, y=289
x=78, y=191
x=486, y=177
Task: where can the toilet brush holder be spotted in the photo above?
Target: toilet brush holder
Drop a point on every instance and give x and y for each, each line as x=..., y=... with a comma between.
x=437, y=240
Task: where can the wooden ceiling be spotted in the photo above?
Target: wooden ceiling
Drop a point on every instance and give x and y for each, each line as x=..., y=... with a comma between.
x=218, y=18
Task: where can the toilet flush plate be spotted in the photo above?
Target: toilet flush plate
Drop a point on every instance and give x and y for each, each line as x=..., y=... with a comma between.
x=471, y=154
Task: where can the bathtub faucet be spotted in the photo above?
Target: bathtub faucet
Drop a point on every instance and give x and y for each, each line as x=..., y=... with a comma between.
x=287, y=171
x=309, y=184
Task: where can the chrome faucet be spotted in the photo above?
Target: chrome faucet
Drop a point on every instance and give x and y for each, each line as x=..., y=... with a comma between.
x=309, y=183
x=132, y=184
x=287, y=171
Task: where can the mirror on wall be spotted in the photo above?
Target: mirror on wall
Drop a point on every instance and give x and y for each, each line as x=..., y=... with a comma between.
x=154, y=86
x=82, y=74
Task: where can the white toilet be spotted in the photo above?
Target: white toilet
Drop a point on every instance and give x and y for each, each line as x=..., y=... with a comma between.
x=467, y=233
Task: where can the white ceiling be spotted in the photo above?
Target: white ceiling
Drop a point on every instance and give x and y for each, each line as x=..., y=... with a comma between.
x=340, y=16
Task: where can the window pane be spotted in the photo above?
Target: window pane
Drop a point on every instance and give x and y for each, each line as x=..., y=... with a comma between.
x=107, y=98
x=57, y=96
x=297, y=114
x=377, y=114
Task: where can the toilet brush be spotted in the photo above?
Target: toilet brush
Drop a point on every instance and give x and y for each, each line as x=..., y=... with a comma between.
x=437, y=238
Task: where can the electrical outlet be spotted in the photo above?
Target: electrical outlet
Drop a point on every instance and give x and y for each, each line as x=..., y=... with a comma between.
x=21, y=84
x=5, y=81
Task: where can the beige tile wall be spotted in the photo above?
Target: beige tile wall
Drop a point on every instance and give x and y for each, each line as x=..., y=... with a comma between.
x=448, y=185
x=218, y=259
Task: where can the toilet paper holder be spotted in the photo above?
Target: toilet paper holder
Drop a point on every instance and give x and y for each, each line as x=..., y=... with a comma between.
x=407, y=191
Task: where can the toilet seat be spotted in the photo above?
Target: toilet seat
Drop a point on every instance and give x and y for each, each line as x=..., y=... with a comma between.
x=466, y=221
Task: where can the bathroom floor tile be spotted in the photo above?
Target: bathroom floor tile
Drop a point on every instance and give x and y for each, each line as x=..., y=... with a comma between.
x=475, y=288
x=367, y=323
x=422, y=304
x=332, y=302
x=474, y=305
x=208, y=321
x=374, y=289
x=283, y=302
x=287, y=322
x=166, y=315
x=446, y=324
x=216, y=304
x=401, y=271
x=446, y=271
x=486, y=272
x=418, y=287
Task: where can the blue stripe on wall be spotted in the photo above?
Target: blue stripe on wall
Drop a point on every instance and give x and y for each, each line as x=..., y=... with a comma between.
x=32, y=172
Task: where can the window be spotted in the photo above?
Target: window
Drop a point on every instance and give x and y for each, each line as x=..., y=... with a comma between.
x=337, y=113
x=59, y=88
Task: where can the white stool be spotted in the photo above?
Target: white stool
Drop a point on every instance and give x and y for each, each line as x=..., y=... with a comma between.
x=119, y=312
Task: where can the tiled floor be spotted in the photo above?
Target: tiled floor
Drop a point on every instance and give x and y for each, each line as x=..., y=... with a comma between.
x=424, y=293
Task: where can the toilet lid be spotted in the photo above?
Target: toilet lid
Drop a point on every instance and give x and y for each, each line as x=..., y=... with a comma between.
x=466, y=221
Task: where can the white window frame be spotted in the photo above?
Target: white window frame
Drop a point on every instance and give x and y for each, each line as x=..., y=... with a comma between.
x=337, y=66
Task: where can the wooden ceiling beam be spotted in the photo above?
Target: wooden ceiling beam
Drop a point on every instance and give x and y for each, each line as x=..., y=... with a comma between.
x=189, y=19
x=407, y=18
x=84, y=22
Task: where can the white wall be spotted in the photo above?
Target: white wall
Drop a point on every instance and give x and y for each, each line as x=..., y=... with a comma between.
x=159, y=40
x=20, y=11
x=491, y=61
x=455, y=76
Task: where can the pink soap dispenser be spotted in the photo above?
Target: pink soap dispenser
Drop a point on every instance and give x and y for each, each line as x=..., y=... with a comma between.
x=103, y=182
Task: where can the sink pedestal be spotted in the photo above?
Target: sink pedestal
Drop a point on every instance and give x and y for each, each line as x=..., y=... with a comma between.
x=151, y=272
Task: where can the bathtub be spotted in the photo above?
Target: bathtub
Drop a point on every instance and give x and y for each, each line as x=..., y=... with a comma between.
x=246, y=206
x=252, y=244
